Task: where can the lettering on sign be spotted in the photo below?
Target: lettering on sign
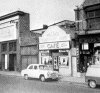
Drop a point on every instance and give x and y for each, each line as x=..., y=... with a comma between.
x=54, y=45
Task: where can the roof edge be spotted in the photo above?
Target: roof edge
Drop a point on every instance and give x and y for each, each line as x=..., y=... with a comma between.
x=11, y=15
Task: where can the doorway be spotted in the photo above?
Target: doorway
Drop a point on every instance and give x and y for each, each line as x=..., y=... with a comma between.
x=55, y=57
x=12, y=60
x=84, y=58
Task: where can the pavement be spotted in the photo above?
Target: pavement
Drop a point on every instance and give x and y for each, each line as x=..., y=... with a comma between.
x=79, y=80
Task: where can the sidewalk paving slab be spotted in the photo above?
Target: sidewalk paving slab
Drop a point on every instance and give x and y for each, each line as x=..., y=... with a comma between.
x=11, y=73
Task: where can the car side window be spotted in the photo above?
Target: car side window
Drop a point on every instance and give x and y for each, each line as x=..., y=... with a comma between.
x=35, y=67
x=31, y=67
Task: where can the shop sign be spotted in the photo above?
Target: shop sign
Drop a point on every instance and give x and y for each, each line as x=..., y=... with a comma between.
x=96, y=44
x=63, y=50
x=44, y=52
x=85, y=46
x=54, y=45
x=8, y=29
x=54, y=34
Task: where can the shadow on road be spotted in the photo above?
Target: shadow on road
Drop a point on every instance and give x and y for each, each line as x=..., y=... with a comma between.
x=47, y=80
x=98, y=87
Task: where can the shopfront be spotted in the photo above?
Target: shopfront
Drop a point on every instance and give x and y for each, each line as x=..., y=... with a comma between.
x=89, y=48
x=54, y=50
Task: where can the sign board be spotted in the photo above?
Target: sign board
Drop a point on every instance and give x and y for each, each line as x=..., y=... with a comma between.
x=8, y=33
x=96, y=44
x=8, y=30
x=54, y=45
x=54, y=34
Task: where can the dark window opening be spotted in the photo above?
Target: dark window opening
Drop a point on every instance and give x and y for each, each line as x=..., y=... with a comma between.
x=12, y=46
x=93, y=20
x=4, y=47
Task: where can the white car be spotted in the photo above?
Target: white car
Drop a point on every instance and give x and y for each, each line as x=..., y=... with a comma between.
x=39, y=71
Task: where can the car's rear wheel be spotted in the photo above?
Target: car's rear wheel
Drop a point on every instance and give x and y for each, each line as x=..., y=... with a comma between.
x=26, y=77
x=42, y=78
x=92, y=84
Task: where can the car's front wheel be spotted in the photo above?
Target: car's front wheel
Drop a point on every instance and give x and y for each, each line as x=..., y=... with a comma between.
x=42, y=78
x=26, y=77
x=92, y=83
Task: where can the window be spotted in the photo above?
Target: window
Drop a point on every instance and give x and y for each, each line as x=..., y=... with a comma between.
x=64, y=61
x=4, y=47
x=93, y=20
x=35, y=67
x=31, y=67
x=85, y=46
x=90, y=14
x=12, y=46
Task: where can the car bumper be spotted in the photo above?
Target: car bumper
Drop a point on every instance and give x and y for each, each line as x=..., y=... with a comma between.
x=53, y=77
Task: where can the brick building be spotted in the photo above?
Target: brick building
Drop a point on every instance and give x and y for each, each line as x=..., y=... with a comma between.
x=18, y=46
x=87, y=18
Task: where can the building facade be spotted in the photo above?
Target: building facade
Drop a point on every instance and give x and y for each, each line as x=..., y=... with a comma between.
x=56, y=48
x=16, y=42
x=88, y=34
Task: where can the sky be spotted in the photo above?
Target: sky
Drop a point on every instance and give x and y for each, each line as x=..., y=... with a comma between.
x=42, y=11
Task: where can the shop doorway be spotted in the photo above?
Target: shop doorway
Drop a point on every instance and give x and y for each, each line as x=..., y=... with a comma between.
x=55, y=57
x=84, y=60
x=12, y=59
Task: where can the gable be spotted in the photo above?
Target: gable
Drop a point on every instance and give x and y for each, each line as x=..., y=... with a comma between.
x=54, y=34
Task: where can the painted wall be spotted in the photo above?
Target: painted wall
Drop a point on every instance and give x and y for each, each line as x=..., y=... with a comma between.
x=8, y=30
x=56, y=38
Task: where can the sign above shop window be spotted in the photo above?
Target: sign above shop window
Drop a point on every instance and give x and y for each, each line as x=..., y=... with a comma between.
x=54, y=45
x=63, y=50
x=85, y=46
x=96, y=44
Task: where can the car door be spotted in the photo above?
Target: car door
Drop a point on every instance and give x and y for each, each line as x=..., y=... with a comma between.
x=36, y=69
x=30, y=71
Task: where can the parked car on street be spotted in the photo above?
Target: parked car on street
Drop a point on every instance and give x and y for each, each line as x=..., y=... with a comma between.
x=39, y=71
x=93, y=76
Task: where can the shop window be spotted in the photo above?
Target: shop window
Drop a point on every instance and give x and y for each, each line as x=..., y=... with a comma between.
x=4, y=47
x=64, y=61
x=12, y=46
x=64, y=58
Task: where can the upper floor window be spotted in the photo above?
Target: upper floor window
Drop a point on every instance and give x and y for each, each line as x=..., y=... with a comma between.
x=4, y=47
x=93, y=14
x=12, y=46
x=93, y=20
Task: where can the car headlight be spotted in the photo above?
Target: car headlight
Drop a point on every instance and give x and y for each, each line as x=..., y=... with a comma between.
x=48, y=74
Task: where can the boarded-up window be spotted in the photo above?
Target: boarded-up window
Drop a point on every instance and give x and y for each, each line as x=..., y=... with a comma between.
x=26, y=60
x=30, y=50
